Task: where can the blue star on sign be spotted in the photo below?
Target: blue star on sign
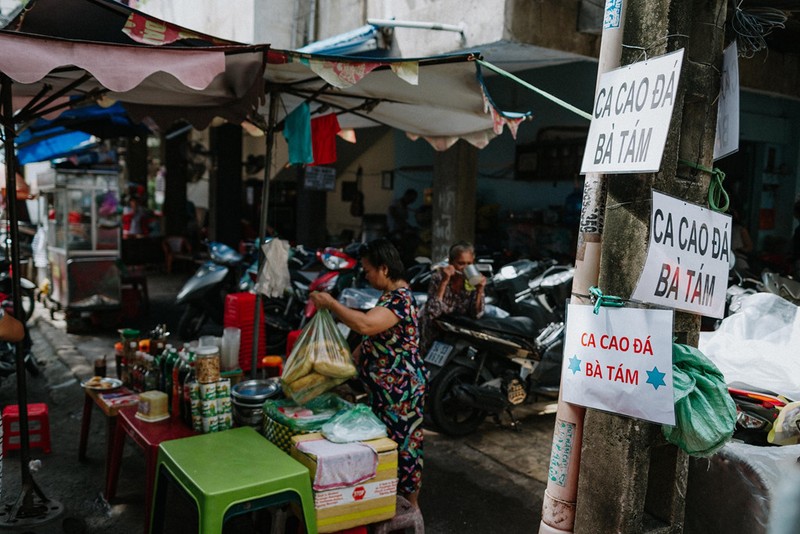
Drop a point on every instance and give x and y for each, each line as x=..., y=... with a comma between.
x=656, y=378
x=575, y=364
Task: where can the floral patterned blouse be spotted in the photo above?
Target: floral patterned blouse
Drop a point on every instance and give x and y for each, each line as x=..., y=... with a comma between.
x=461, y=302
x=395, y=376
x=391, y=359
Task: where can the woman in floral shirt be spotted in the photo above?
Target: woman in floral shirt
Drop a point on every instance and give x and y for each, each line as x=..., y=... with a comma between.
x=388, y=358
x=449, y=293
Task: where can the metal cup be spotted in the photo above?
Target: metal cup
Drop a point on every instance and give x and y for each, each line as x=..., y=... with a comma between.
x=472, y=274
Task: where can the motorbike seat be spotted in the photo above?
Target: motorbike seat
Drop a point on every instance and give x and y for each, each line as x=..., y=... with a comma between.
x=514, y=325
x=753, y=389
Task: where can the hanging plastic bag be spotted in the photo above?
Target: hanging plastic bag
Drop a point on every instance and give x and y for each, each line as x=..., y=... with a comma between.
x=274, y=277
x=320, y=360
x=705, y=414
x=355, y=424
x=786, y=428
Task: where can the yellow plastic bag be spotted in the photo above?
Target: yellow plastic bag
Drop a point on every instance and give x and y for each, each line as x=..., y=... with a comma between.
x=320, y=360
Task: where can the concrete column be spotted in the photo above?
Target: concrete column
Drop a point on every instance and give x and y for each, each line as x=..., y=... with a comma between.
x=311, y=212
x=136, y=160
x=225, y=198
x=455, y=184
x=175, y=193
x=631, y=480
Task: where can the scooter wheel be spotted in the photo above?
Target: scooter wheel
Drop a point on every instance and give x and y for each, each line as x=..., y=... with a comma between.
x=191, y=323
x=449, y=415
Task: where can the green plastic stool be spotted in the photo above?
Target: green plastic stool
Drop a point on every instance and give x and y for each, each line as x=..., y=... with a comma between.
x=228, y=473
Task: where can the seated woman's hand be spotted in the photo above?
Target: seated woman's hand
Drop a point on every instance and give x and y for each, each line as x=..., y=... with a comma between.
x=448, y=272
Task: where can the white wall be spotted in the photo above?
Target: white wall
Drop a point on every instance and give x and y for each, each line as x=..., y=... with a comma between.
x=482, y=21
x=379, y=157
x=229, y=19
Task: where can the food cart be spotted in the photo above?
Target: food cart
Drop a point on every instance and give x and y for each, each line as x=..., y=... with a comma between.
x=83, y=241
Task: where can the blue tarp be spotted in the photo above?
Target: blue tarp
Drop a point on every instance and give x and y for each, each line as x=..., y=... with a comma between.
x=72, y=132
x=362, y=42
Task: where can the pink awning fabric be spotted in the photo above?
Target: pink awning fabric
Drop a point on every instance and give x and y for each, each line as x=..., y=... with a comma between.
x=166, y=84
x=117, y=68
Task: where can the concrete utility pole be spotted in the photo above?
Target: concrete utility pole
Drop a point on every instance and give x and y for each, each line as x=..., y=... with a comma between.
x=631, y=480
x=455, y=184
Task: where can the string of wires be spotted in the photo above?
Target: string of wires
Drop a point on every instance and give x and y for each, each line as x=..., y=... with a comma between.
x=753, y=25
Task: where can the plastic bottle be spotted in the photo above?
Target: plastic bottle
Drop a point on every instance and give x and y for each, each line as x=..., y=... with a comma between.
x=128, y=356
x=190, y=388
x=169, y=363
x=137, y=372
x=176, y=396
x=150, y=378
x=162, y=364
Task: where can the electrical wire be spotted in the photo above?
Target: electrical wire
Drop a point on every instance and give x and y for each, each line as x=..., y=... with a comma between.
x=753, y=25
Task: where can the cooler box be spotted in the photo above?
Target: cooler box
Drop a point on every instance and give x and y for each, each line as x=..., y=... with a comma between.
x=368, y=502
x=240, y=311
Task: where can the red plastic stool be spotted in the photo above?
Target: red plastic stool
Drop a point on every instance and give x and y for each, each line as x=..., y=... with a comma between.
x=38, y=427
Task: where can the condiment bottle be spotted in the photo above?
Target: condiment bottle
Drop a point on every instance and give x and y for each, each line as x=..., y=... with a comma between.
x=150, y=379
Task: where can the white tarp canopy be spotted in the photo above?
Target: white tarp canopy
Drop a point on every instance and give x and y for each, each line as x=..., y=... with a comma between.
x=441, y=99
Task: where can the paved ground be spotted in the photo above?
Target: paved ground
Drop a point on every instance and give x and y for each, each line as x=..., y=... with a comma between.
x=471, y=485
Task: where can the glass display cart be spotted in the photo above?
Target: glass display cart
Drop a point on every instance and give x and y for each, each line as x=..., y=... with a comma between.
x=83, y=241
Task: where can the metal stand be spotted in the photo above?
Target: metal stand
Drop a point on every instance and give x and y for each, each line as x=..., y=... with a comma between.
x=31, y=507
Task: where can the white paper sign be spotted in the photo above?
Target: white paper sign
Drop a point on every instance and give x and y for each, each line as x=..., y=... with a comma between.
x=688, y=257
x=727, y=139
x=631, y=116
x=620, y=361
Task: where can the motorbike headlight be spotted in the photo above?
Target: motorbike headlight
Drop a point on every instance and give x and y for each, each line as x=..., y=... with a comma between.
x=750, y=422
x=334, y=263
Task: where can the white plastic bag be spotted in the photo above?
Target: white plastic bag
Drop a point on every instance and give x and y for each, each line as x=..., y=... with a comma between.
x=759, y=345
x=354, y=424
x=274, y=277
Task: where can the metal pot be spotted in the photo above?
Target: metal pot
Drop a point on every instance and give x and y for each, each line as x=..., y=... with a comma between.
x=248, y=397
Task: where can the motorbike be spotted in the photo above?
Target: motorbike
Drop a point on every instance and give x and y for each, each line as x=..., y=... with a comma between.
x=203, y=295
x=284, y=313
x=488, y=366
x=341, y=269
x=783, y=286
x=756, y=412
x=28, y=288
x=8, y=350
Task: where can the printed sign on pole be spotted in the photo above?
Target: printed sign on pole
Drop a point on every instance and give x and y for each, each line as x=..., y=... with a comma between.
x=620, y=361
x=727, y=138
x=631, y=116
x=688, y=257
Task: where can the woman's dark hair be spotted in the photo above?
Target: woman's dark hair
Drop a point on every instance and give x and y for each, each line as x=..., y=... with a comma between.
x=382, y=252
x=459, y=248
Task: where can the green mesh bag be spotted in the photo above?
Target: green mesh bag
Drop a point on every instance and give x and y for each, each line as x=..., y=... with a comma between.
x=705, y=414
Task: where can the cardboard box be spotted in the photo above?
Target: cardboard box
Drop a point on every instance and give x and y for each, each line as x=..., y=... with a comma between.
x=368, y=502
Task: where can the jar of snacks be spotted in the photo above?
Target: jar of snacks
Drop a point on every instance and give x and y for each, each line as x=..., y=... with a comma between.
x=206, y=364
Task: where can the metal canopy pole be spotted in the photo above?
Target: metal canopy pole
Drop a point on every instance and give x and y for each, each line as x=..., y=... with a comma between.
x=262, y=227
x=31, y=507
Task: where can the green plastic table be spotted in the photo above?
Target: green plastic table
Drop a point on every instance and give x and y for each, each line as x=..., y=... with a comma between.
x=228, y=473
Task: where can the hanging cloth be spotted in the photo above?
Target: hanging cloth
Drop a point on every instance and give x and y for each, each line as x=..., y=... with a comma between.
x=323, y=138
x=297, y=131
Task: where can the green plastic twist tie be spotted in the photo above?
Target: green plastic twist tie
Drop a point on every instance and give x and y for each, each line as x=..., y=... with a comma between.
x=604, y=300
x=716, y=191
